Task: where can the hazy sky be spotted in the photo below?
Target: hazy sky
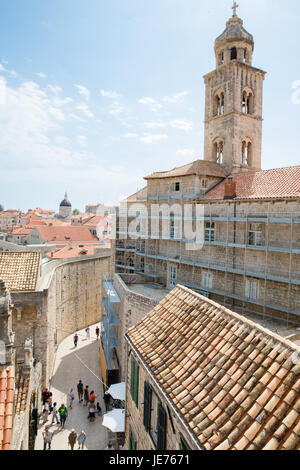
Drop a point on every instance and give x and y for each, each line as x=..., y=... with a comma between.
x=96, y=94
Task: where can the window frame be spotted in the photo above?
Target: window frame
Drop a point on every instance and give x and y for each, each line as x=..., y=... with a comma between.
x=134, y=381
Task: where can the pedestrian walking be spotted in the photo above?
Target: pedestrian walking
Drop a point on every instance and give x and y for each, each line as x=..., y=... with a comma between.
x=88, y=336
x=72, y=439
x=99, y=409
x=106, y=399
x=45, y=395
x=80, y=391
x=54, y=414
x=76, y=340
x=45, y=412
x=63, y=413
x=92, y=412
x=71, y=398
x=86, y=395
x=97, y=332
x=47, y=437
x=93, y=397
x=81, y=440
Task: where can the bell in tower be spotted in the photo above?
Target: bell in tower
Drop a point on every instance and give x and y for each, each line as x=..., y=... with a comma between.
x=233, y=102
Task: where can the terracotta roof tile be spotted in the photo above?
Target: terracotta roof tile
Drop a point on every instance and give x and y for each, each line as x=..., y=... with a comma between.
x=234, y=383
x=20, y=270
x=7, y=375
x=198, y=167
x=275, y=183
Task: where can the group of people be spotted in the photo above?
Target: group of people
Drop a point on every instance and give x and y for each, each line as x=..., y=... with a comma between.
x=58, y=414
x=88, y=335
x=89, y=399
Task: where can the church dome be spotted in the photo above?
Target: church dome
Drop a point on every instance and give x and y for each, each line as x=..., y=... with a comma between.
x=234, y=32
x=65, y=202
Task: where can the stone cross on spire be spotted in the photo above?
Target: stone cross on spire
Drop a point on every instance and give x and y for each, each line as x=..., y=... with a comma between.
x=235, y=7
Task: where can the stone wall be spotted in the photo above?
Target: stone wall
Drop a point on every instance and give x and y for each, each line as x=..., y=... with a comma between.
x=132, y=308
x=70, y=301
x=134, y=416
x=20, y=438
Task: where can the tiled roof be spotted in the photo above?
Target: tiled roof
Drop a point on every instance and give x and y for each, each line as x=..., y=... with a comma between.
x=21, y=393
x=276, y=183
x=142, y=193
x=21, y=231
x=20, y=270
x=65, y=234
x=94, y=221
x=7, y=381
x=199, y=167
x=72, y=252
x=236, y=384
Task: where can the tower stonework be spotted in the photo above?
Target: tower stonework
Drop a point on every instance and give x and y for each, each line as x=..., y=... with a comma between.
x=233, y=102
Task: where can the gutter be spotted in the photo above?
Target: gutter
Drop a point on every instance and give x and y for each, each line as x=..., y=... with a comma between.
x=168, y=400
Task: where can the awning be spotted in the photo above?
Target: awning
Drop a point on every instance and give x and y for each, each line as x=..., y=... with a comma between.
x=118, y=391
x=115, y=420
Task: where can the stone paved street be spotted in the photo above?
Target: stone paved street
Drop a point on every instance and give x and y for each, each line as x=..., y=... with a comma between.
x=68, y=371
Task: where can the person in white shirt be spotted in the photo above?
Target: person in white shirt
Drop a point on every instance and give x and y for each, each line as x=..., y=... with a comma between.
x=47, y=436
x=81, y=440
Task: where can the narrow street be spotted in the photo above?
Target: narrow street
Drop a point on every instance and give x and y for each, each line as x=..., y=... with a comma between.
x=72, y=365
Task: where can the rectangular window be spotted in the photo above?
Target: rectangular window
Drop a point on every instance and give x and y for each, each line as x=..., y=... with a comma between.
x=183, y=444
x=155, y=417
x=177, y=187
x=256, y=235
x=209, y=231
x=173, y=275
x=134, y=381
x=207, y=280
x=172, y=227
x=252, y=289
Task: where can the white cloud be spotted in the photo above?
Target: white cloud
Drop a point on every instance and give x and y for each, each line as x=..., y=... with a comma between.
x=56, y=113
x=28, y=120
x=77, y=118
x=152, y=138
x=176, y=98
x=55, y=89
x=156, y=124
x=12, y=73
x=116, y=108
x=130, y=135
x=83, y=91
x=182, y=124
x=81, y=140
x=153, y=104
x=109, y=94
x=41, y=75
x=85, y=110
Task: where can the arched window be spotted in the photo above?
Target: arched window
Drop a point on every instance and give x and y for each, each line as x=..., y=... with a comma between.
x=219, y=104
x=246, y=152
x=233, y=55
x=218, y=151
x=221, y=58
x=247, y=102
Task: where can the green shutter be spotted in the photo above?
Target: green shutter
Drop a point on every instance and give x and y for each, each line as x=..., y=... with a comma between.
x=162, y=428
x=134, y=381
x=147, y=406
x=132, y=441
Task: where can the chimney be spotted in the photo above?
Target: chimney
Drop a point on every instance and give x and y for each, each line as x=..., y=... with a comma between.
x=230, y=188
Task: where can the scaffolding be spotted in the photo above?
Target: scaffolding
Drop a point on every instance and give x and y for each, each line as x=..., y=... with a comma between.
x=153, y=257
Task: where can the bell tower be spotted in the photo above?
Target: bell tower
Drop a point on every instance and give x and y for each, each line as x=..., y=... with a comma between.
x=233, y=102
